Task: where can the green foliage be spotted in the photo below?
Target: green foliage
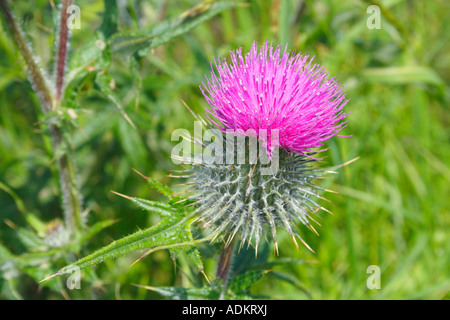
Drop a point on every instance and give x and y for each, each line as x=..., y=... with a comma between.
x=391, y=209
x=142, y=42
x=236, y=289
x=172, y=232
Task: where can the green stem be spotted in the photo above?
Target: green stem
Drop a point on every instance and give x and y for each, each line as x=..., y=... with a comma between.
x=224, y=267
x=71, y=200
x=35, y=75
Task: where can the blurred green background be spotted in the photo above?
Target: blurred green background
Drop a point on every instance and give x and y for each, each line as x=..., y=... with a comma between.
x=392, y=209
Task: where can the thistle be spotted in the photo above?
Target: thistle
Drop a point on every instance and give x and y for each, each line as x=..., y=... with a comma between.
x=291, y=107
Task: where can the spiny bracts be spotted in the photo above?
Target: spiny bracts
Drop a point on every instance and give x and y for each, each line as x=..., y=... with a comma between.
x=239, y=199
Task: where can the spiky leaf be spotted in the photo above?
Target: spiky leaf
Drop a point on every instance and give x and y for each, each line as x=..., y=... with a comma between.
x=243, y=281
x=173, y=232
x=206, y=293
x=129, y=43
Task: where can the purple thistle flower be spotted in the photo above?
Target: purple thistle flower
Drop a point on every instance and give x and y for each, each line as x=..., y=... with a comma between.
x=272, y=90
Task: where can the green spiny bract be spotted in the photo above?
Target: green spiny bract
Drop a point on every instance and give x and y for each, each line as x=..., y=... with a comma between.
x=239, y=199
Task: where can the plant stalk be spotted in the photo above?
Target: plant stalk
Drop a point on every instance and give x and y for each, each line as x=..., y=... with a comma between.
x=71, y=199
x=35, y=75
x=62, y=48
x=224, y=267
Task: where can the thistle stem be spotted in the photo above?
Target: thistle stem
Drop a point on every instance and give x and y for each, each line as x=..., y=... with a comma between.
x=71, y=199
x=62, y=48
x=224, y=267
x=35, y=75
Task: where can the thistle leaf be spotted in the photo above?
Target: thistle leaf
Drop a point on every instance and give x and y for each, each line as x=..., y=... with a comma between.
x=104, y=82
x=243, y=281
x=173, y=232
x=109, y=23
x=129, y=43
x=161, y=188
x=206, y=293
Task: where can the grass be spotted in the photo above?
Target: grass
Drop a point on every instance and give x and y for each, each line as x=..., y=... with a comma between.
x=392, y=208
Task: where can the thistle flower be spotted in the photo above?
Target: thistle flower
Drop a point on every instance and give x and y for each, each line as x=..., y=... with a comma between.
x=287, y=96
x=274, y=91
